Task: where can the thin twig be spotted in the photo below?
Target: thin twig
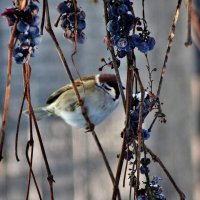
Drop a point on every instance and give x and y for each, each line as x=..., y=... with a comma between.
x=50, y=176
x=188, y=42
x=129, y=92
x=152, y=123
x=139, y=128
x=8, y=85
x=170, y=41
x=18, y=125
x=157, y=159
x=43, y=18
x=30, y=143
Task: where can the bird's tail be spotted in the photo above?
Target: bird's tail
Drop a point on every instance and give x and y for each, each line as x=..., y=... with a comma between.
x=40, y=113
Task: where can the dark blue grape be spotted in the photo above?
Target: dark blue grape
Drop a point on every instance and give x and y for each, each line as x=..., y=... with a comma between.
x=129, y=156
x=36, y=40
x=121, y=53
x=81, y=38
x=34, y=31
x=16, y=50
x=145, y=161
x=35, y=20
x=81, y=25
x=22, y=37
x=115, y=39
x=143, y=47
x=122, y=43
x=64, y=7
x=134, y=116
x=114, y=11
x=122, y=9
x=144, y=169
x=151, y=43
x=19, y=58
x=81, y=15
x=65, y=23
x=146, y=134
x=33, y=8
x=113, y=26
x=22, y=26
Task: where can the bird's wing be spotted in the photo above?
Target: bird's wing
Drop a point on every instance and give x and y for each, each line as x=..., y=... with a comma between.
x=68, y=87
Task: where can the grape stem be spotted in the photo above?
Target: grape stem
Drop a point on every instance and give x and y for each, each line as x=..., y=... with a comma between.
x=157, y=159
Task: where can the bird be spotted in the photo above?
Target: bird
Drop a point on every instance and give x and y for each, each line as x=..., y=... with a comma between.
x=100, y=94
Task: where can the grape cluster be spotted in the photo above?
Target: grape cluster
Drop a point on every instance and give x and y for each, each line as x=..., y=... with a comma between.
x=156, y=191
x=121, y=21
x=72, y=21
x=28, y=31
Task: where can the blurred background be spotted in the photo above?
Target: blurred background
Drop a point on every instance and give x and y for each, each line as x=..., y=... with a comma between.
x=74, y=159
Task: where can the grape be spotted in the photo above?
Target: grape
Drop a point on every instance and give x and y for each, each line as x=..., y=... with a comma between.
x=81, y=25
x=81, y=38
x=143, y=47
x=63, y=7
x=22, y=26
x=65, y=23
x=115, y=39
x=151, y=43
x=36, y=40
x=19, y=58
x=16, y=51
x=35, y=20
x=122, y=43
x=22, y=37
x=113, y=26
x=146, y=134
x=114, y=11
x=122, y=9
x=33, y=8
x=81, y=15
x=144, y=169
x=34, y=31
x=121, y=53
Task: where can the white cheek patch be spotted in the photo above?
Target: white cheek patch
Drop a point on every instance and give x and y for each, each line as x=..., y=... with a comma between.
x=97, y=80
x=110, y=90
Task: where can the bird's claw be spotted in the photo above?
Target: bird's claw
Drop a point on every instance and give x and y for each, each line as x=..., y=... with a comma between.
x=89, y=128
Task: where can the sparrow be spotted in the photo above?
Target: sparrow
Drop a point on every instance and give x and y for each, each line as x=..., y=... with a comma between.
x=100, y=94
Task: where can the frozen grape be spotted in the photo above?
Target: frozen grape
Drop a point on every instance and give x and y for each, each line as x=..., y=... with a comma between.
x=63, y=7
x=81, y=25
x=81, y=38
x=35, y=20
x=34, y=31
x=22, y=26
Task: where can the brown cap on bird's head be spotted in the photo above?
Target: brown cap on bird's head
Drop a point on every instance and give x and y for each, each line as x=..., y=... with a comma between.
x=111, y=80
